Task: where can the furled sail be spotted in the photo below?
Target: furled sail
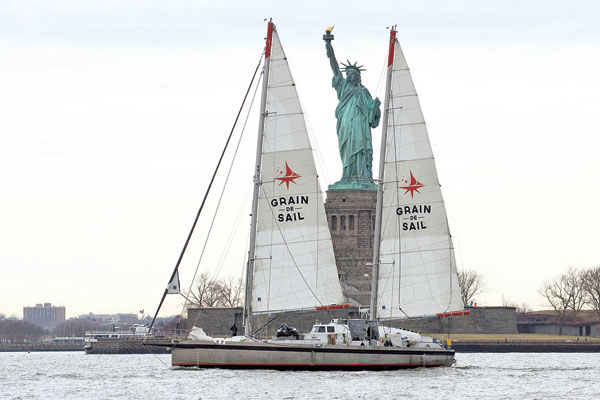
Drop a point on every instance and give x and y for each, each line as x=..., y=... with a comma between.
x=417, y=271
x=294, y=264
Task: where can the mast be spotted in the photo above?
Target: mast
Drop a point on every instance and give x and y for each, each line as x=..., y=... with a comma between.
x=257, y=183
x=382, y=153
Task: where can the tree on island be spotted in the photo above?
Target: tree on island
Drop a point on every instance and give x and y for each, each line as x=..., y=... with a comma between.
x=213, y=292
x=15, y=331
x=73, y=327
x=566, y=295
x=471, y=284
x=591, y=286
x=522, y=308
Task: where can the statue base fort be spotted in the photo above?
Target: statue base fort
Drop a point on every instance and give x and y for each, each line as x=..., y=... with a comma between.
x=351, y=217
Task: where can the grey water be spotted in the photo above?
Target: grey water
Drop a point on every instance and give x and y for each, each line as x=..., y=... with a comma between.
x=75, y=375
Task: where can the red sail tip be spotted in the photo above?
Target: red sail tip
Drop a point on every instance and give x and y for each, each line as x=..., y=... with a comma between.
x=453, y=314
x=332, y=307
x=269, y=40
x=392, y=45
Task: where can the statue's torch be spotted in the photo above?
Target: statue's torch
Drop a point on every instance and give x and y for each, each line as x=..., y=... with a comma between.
x=328, y=37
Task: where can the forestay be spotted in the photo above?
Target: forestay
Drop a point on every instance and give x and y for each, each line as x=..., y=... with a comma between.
x=417, y=273
x=294, y=262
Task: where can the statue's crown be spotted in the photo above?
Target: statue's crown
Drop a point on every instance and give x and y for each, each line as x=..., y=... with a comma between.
x=355, y=67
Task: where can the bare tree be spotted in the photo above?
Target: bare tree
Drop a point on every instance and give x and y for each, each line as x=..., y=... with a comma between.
x=523, y=308
x=565, y=294
x=208, y=292
x=575, y=285
x=232, y=292
x=73, y=327
x=212, y=292
x=555, y=293
x=471, y=284
x=15, y=331
x=519, y=308
x=591, y=286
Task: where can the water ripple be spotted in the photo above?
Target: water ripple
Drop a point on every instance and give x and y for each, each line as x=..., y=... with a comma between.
x=476, y=376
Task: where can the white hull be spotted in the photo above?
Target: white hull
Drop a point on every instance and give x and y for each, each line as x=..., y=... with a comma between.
x=286, y=355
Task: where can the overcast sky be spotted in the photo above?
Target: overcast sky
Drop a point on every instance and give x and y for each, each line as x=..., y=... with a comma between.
x=113, y=115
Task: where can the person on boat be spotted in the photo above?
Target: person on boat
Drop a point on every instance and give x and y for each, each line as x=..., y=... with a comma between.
x=357, y=112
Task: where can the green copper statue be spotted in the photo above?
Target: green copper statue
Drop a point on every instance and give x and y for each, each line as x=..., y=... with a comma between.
x=356, y=114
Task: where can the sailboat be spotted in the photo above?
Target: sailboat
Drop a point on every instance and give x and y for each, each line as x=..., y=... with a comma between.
x=291, y=263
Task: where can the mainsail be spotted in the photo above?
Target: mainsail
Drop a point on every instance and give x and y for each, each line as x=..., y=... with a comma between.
x=294, y=263
x=417, y=270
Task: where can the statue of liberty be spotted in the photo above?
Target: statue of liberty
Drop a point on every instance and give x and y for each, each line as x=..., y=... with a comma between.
x=356, y=114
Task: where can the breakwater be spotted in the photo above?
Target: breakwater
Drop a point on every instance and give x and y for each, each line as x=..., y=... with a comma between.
x=526, y=347
x=127, y=346
x=24, y=347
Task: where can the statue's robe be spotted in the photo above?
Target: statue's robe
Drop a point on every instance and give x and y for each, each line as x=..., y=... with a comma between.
x=356, y=114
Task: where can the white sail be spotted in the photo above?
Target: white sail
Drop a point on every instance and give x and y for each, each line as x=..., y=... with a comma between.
x=417, y=273
x=294, y=261
x=173, y=287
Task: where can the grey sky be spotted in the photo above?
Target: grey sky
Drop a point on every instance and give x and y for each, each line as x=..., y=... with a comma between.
x=112, y=115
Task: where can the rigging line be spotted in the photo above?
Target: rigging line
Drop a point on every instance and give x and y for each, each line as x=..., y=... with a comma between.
x=211, y=316
x=317, y=150
x=312, y=140
x=397, y=157
x=212, y=223
x=382, y=74
x=229, y=173
x=231, y=238
x=216, y=319
x=268, y=323
x=158, y=358
x=418, y=107
x=290, y=252
x=206, y=195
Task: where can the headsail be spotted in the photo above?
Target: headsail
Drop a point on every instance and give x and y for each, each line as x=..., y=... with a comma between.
x=294, y=265
x=173, y=287
x=417, y=270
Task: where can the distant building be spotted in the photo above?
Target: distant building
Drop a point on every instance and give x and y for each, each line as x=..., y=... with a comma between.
x=586, y=323
x=45, y=316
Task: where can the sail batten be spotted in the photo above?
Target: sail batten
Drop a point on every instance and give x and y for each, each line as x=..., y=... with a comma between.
x=417, y=267
x=294, y=263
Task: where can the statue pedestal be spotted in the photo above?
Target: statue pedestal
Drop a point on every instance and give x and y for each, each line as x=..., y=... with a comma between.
x=351, y=218
x=354, y=185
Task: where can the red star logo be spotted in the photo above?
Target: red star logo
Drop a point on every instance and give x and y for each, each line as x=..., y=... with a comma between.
x=288, y=177
x=413, y=187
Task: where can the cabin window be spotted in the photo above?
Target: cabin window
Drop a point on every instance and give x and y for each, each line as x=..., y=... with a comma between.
x=333, y=223
x=331, y=329
x=343, y=222
x=351, y=223
x=319, y=329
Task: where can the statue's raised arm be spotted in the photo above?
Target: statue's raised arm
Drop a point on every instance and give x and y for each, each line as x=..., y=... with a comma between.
x=328, y=37
x=332, y=60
